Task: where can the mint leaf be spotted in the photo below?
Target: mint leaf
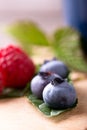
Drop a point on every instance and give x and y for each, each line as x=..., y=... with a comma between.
x=66, y=48
x=28, y=34
x=11, y=93
x=47, y=111
x=56, y=112
x=34, y=100
x=14, y=92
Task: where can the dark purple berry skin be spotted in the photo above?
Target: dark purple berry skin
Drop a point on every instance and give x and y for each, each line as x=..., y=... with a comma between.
x=39, y=82
x=55, y=66
x=59, y=94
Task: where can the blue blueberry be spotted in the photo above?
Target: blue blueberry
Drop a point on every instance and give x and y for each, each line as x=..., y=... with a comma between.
x=59, y=94
x=55, y=66
x=40, y=81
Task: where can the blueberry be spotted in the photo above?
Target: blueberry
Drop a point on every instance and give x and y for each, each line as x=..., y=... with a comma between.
x=40, y=81
x=59, y=94
x=55, y=66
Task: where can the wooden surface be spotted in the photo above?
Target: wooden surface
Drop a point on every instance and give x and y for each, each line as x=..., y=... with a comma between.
x=20, y=114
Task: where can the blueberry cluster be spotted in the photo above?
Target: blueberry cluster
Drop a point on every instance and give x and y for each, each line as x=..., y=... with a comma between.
x=50, y=84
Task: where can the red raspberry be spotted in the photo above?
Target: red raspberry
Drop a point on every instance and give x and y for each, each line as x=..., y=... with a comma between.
x=17, y=68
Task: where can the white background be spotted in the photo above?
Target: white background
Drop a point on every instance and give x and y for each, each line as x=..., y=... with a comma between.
x=46, y=13
x=30, y=5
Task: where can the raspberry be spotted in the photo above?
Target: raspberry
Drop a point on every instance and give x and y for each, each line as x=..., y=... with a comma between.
x=17, y=68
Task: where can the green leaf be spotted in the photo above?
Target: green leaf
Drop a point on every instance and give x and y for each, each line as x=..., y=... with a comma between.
x=56, y=112
x=34, y=100
x=28, y=34
x=11, y=93
x=47, y=111
x=14, y=92
x=66, y=48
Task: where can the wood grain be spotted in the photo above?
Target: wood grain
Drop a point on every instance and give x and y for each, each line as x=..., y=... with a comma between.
x=20, y=114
